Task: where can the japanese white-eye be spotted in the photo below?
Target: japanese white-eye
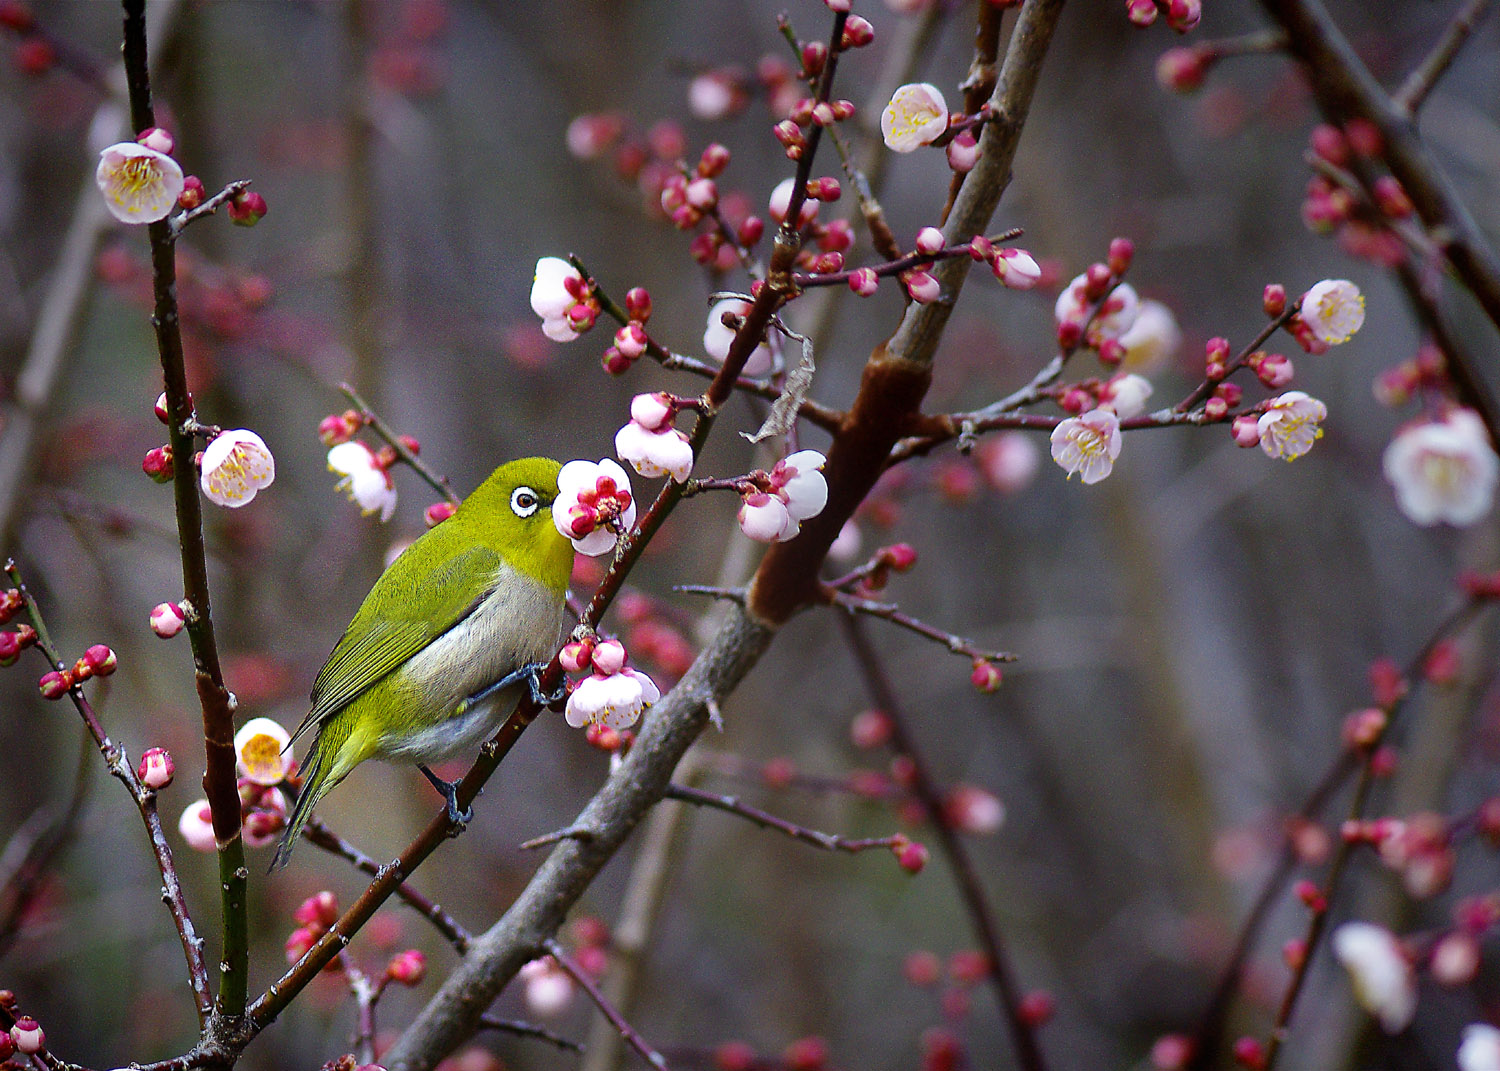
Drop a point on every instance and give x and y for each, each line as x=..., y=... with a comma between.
x=439, y=651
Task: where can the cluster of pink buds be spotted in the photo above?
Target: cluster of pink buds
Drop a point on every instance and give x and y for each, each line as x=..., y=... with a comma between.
x=631, y=340
x=594, y=505
x=649, y=443
x=1362, y=221
x=688, y=198
x=314, y=916
x=807, y=113
x=338, y=428
x=97, y=661
x=1182, y=15
x=35, y=53
x=1425, y=373
x=613, y=695
x=1097, y=308
x=13, y=641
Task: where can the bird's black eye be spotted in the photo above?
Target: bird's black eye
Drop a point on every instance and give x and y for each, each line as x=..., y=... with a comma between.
x=524, y=501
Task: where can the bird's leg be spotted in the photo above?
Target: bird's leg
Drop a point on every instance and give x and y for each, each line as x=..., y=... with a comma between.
x=531, y=672
x=450, y=793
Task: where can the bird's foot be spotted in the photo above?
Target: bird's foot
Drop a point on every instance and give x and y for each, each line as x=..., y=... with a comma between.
x=543, y=699
x=460, y=819
x=531, y=672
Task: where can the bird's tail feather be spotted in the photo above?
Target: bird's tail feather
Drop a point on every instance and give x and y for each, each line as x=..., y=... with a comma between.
x=314, y=787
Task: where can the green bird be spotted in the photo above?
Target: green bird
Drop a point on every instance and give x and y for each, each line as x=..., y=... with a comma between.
x=439, y=651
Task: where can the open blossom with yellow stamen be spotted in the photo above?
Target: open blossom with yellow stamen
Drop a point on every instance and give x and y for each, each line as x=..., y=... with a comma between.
x=1291, y=424
x=917, y=115
x=140, y=185
x=1333, y=310
x=236, y=465
x=1443, y=470
x=262, y=752
x=1088, y=444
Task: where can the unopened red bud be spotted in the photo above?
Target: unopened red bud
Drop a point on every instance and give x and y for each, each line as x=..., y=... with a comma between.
x=1096, y=281
x=857, y=33
x=35, y=56
x=192, y=194
x=1076, y=400
x=802, y=111
x=1171, y=1052
x=806, y=1054
x=437, y=513
x=407, y=968
x=156, y=768
x=1274, y=370
x=27, y=1036
x=55, y=684
x=385, y=457
x=1111, y=351
x=100, y=660
x=16, y=17
x=714, y=160
x=602, y=737
x=1387, y=685
x=1250, y=1053
x=822, y=114
x=577, y=656
x=1294, y=953
x=1215, y=409
x=788, y=133
x=922, y=969
x=1364, y=728
x=1442, y=665
x=158, y=464
x=301, y=940
x=1310, y=895
x=1182, y=70
x=10, y=648
x=1069, y=334
x=167, y=619
x=985, y=676
x=751, y=230
x=871, y=729
x=814, y=55
x=843, y=109
x=734, y=1056
x=899, y=556
x=778, y=773
x=582, y=317
x=638, y=304
x=1246, y=430
x=615, y=362
x=829, y=263
x=981, y=248
x=247, y=208
x=334, y=429
x=1273, y=300
x=1121, y=253
x=1329, y=143
x=826, y=188
x=1232, y=393
x=864, y=281
x=319, y=909
x=1141, y=12
x=411, y=444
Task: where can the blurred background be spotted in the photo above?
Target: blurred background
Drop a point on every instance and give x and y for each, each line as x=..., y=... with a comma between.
x=1191, y=631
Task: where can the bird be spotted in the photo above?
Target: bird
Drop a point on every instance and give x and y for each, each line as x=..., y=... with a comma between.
x=442, y=646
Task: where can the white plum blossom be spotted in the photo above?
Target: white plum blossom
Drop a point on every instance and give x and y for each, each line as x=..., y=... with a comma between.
x=1290, y=425
x=764, y=518
x=366, y=482
x=1333, y=310
x=1126, y=394
x=262, y=750
x=1087, y=444
x=1121, y=307
x=1384, y=983
x=1009, y=461
x=917, y=115
x=1443, y=470
x=665, y=452
x=197, y=827
x=236, y=464
x=781, y=201
x=615, y=701
x=556, y=287
x=1152, y=340
x=1017, y=269
x=717, y=338
x=594, y=505
x=797, y=492
x=140, y=185
x=1480, y=1048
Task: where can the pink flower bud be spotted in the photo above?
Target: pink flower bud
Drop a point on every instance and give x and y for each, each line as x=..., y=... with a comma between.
x=922, y=969
x=54, y=684
x=1018, y=270
x=27, y=1036
x=981, y=248
x=156, y=138
x=1121, y=253
x=829, y=263
x=614, y=362
x=864, y=281
x=192, y=194
x=100, y=660
x=1274, y=370
x=929, y=240
x=963, y=152
x=843, y=109
x=638, y=304
x=247, y=208
x=826, y=188
x=751, y=231
x=609, y=658
x=10, y=648
x=822, y=114
x=156, y=768
x=161, y=408
x=806, y=1054
x=167, y=619
x=577, y=656
x=1249, y=1053
x=1141, y=12
x=857, y=33
x=870, y=729
x=1216, y=408
x=298, y=944
x=702, y=193
x=407, y=968
x=1184, y=15
x=1246, y=430
x=1096, y=281
x=1455, y=959
x=158, y=464
x=1037, y=1008
x=1111, y=351
x=1182, y=70
x=1217, y=350
x=735, y=1056
x=320, y=910
x=651, y=411
x=911, y=855
x=1392, y=197
x=986, y=676
x=923, y=287
x=437, y=513
x=836, y=237
x=814, y=55
x=714, y=160
x=899, y=556
x=631, y=340
x=970, y=809
x=1273, y=300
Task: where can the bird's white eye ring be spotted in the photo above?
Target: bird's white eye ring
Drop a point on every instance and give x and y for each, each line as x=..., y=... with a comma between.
x=524, y=501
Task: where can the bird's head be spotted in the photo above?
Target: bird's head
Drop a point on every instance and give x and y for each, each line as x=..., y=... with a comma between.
x=512, y=511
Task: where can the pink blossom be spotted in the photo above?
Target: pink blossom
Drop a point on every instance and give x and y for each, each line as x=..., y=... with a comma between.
x=655, y=453
x=1112, y=321
x=1444, y=471
x=197, y=827
x=140, y=184
x=594, y=505
x=167, y=619
x=917, y=115
x=1087, y=444
x=556, y=287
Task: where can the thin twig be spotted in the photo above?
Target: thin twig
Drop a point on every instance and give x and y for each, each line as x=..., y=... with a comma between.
x=886, y=611
x=632, y=1036
x=828, y=842
x=1413, y=92
x=528, y=1030
x=404, y=452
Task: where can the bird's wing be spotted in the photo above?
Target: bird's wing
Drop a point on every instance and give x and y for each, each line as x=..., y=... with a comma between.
x=378, y=642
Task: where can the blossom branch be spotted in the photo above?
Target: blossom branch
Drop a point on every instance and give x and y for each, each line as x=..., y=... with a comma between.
x=899, y=265
x=176, y=224
x=853, y=604
x=214, y=698
x=1413, y=92
x=118, y=764
x=315, y=832
x=828, y=842
x=632, y=1036
x=403, y=451
x=528, y=1030
x=926, y=789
